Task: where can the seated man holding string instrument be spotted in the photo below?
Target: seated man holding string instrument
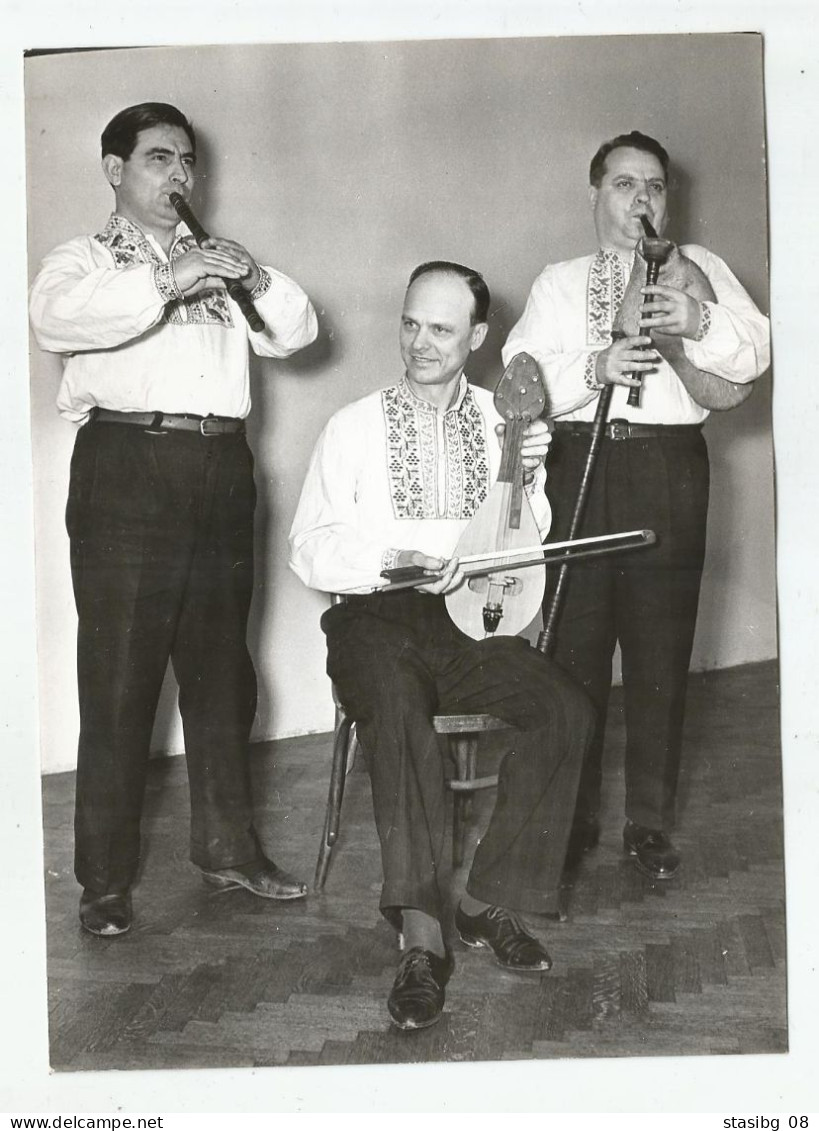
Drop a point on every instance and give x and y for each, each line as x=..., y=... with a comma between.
x=393, y=482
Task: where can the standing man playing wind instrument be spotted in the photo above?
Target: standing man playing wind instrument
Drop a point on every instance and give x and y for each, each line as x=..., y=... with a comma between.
x=394, y=480
x=709, y=343
x=160, y=506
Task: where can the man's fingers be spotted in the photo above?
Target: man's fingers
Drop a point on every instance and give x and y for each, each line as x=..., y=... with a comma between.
x=221, y=262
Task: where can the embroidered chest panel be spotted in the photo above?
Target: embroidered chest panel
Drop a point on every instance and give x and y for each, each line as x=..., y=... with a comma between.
x=128, y=245
x=414, y=456
x=607, y=282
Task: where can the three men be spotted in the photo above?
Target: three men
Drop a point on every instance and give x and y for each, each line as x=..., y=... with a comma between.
x=652, y=472
x=394, y=480
x=160, y=507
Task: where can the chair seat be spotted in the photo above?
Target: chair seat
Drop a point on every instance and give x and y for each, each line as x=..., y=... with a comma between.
x=467, y=724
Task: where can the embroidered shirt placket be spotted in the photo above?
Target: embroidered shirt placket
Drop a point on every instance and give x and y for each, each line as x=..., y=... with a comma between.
x=181, y=307
x=441, y=476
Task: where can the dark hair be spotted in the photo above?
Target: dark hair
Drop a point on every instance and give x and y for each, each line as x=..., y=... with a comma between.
x=473, y=279
x=120, y=135
x=634, y=140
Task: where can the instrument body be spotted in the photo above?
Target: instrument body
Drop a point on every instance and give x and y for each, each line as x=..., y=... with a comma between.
x=507, y=599
x=234, y=288
x=655, y=255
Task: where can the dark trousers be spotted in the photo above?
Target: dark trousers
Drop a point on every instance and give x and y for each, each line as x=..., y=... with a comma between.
x=396, y=660
x=161, y=529
x=645, y=599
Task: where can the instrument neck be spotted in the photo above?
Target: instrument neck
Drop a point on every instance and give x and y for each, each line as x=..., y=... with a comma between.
x=510, y=460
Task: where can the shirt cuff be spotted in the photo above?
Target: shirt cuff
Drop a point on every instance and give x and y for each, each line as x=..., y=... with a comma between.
x=165, y=282
x=263, y=285
x=389, y=558
x=705, y=322
x=537, y=484
x=590, y=374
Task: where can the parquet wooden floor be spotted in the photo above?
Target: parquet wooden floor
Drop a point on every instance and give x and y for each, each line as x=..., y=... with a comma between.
x=691, y=966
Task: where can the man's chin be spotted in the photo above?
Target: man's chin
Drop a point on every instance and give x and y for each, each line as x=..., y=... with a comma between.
x=423, y=373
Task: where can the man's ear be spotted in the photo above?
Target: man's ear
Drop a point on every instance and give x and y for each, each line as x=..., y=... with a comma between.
x=592, y=196
x=112, y=167
x=479, y=332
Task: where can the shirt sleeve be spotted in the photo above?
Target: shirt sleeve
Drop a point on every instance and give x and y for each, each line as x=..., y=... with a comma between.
x=328, y=549
x=77, y=303
x=289, y=318
x=735, y=335
x=569, y=374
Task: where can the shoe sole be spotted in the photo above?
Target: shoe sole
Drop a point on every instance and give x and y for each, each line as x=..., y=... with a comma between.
x=221, y=884
x=646, y=871
x=479, y=944
x=412, y=1026
x=106, y=934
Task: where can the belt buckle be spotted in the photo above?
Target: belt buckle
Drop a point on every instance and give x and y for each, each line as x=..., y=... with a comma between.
x=620, y=429
x=205, y=431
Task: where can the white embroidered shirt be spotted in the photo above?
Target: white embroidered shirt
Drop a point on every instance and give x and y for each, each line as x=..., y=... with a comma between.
x=388, y=473
x=567, y=321
x=109, y=305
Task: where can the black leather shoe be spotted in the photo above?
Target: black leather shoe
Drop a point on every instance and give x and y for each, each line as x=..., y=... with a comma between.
x=105, y=915
x=514, y=948
x=417, y=995
x=263, y=878
x=653, y=852
x=585, y=836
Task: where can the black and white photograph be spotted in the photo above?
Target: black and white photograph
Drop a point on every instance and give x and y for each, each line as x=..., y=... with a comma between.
x=406, y=560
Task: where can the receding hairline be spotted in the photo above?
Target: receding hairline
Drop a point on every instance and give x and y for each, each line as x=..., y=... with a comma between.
x=448, y=273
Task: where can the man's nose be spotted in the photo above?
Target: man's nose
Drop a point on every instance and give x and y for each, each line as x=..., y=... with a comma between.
x=642, y=192
x=179, y=173
x=421, y=339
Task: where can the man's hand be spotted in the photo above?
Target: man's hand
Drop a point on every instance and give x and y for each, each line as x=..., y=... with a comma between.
x=670, y=311
x=209, y=266
x=535, y=446
x=451, y=578
x=617, y=364
x=250, y=280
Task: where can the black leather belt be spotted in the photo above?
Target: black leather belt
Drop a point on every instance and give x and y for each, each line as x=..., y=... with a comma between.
x=626, y=429
x=171, y=422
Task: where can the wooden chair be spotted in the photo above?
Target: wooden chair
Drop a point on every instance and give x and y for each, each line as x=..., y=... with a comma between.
x=462, y=732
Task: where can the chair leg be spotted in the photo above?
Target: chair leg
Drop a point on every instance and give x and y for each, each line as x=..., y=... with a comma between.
x=341, y=752
x=465, y=753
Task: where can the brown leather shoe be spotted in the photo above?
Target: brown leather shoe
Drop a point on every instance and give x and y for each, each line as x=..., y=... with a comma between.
x=105, y=915
x=263, y=878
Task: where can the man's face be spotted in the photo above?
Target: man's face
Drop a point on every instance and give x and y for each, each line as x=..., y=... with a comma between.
x=437, y=334
x=162, y=162
x=633, y=185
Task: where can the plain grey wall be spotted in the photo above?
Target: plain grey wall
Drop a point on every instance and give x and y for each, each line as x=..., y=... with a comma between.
x=345, y=165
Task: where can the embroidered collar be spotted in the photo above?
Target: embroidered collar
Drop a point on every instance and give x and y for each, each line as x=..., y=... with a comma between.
x=406, y=391
x=611, y=254
x=129, y=244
